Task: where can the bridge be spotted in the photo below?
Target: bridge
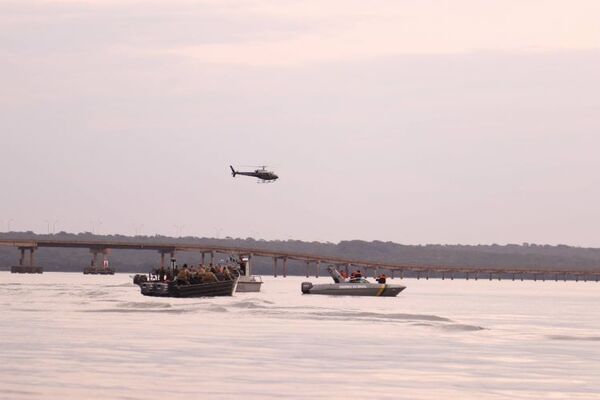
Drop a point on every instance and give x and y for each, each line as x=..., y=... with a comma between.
x=28, y=264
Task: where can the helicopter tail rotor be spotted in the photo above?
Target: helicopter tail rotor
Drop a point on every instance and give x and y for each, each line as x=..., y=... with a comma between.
x=233, y=171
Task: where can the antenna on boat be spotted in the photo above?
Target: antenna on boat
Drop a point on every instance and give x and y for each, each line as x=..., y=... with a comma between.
x=173, y=266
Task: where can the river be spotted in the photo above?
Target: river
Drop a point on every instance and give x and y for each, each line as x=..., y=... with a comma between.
x=66, y=335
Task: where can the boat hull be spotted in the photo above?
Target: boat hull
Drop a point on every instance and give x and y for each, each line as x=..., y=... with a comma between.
x=98, y=271
x=172, y=289
x=353, y=289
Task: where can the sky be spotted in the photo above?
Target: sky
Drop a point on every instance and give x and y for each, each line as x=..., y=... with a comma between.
x=417, y=122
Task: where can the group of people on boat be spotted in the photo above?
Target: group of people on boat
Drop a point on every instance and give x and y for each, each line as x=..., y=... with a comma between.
x=356, y=276
x=191, y=275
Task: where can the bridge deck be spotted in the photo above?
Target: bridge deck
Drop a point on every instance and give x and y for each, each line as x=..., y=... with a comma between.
x=167, y=247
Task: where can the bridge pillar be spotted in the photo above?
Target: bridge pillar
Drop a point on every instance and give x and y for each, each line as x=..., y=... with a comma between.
x=307, y=267
x=30, y=268
x=284, y=267
x=275, y=267
x=317, y=268
x=212, y=258
x=392, y=273
x=163, y=253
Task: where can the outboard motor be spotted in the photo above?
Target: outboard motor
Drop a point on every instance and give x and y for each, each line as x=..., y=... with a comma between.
x=138, y=279
x=306, y=286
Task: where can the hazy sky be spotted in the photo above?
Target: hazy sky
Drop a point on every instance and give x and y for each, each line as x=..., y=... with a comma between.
x=428, y=121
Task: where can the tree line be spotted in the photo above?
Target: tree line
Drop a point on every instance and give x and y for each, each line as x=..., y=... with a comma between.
x=516, y=256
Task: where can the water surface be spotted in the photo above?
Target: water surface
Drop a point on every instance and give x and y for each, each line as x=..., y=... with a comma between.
x=66, y=335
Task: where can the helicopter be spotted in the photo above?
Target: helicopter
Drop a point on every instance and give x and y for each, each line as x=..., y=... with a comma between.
x=262, y=174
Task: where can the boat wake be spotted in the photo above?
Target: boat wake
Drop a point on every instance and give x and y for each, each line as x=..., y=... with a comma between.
x=140, y=310
x=144, y=305
x=323, y=313
x=577, y=338
x=383, y=316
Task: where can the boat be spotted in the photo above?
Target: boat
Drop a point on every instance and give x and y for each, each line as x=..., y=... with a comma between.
x=249, y=283
x=351, y=287
x=98, y=271
x=165, y=283
x=174, y=289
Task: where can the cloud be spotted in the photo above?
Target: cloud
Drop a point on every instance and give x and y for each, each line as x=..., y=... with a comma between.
x=296, y=33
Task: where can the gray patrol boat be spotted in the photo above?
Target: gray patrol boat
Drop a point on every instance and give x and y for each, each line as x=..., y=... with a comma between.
x=351, y=287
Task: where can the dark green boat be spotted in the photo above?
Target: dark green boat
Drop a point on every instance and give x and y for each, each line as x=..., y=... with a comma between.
x=174, y=289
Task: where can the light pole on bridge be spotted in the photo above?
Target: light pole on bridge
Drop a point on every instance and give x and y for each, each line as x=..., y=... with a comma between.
x=179, y=230
x=138, y=229
x=53, y=223
x=94, y=223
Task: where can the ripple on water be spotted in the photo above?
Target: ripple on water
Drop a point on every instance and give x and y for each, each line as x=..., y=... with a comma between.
x=247, y=304
x=383, y=316
x=138, y=304
x=579, y=338
x=460, y=327
x=217, y=309
x=95, y=293
x=141, y=310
